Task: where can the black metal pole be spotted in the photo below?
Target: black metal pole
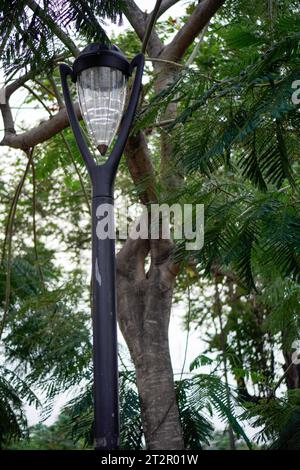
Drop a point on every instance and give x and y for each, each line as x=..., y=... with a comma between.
x=105, y=354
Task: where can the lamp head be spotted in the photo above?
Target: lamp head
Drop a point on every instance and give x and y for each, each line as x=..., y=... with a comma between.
x=101, y=73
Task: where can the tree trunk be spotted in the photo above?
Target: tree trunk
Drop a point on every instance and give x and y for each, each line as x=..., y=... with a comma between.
x=145, y=299
x=171, y=175
x=144, y=306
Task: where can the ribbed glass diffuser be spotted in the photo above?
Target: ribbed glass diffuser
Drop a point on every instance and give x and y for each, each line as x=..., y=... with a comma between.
x=101, y=94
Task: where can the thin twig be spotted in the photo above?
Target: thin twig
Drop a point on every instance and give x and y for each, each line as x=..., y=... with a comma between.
x=42, y=85
x=65, y=142
x=150, y=25
x=38, y=264
x=272, y=394
x=197, y=47
x=7, y=227
x=77, y=170
x=8, y=239
x=57, y=95
x=188, y=327
x=218, y=309
x=161, y=123
x=164, y=61
x=36, y=96
x=123, y=363
x=271, y=13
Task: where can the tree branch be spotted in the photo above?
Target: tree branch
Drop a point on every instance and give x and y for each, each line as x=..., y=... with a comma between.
x=44, y=131
x=138, y=21
x=197, y=21
x=150, y=25
x=65, y=39
x=140, y=167
x=166, y=4
x=131, y=259
x=15, y=85
x=9, y=125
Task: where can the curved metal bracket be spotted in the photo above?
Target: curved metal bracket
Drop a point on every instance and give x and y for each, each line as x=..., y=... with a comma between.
x=65, y=70
x=103, y=175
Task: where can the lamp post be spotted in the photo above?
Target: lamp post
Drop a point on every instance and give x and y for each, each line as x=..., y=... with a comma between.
x=101, y=73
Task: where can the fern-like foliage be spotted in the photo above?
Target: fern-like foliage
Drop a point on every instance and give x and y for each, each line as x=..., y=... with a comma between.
x=80, y=412
x=238, y=141
x=209, y=392
x=42, y=323
x=14, y=392
x=244, y=121
x=197, y=398
x=87, y=17
x=28, y=38
x=282, y=298
x=131, y=433
x=197, y=428
x=246, y=231
x=278, y=420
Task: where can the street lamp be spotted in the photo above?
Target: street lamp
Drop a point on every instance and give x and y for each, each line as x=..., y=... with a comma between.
x=101, y=73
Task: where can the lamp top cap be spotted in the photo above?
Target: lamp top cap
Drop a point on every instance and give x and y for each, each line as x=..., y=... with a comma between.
x=97, y=48
x=97, y=55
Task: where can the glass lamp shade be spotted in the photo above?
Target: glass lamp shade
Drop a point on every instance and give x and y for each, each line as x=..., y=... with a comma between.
x=101, y=94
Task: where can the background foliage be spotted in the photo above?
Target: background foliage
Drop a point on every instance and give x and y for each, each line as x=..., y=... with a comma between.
x=237, y=145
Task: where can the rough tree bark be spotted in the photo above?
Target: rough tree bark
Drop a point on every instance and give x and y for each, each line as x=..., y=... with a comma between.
x=144, y=298
x=144, y=305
